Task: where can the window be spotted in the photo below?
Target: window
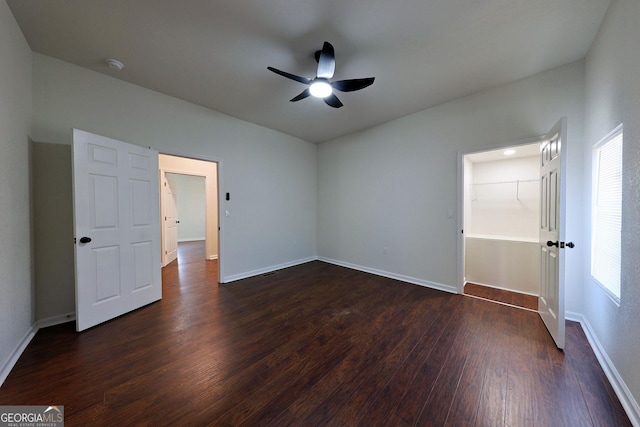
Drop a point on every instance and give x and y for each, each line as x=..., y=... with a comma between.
x=606, y=222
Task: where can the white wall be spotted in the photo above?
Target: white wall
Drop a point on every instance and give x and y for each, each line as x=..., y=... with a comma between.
x=190, y=206
x=392, y=185
x=612, y=97
x=16, y=293
x=499, y=206
x=503, y=264
x=271, y=176
x=53, y=233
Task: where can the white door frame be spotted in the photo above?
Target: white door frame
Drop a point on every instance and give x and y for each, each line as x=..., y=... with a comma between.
x=163, y=173
x=460, y=198
x=221, y=217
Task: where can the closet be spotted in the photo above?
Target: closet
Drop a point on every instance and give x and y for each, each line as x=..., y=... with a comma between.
x=501, y=219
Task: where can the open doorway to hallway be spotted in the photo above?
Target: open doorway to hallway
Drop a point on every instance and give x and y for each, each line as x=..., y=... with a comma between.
x=184, y=202
x=189, y=200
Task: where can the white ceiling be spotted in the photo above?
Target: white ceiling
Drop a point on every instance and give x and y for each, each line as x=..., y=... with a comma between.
x=527, y=150
x=216, y=53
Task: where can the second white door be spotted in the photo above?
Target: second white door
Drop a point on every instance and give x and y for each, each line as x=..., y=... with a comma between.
x=170, y=221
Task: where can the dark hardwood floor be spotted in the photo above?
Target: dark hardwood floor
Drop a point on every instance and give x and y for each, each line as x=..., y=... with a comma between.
x=314, y=345
x=516, y=299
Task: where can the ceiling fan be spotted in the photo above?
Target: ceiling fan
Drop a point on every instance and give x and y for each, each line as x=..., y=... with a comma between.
x=321, y=86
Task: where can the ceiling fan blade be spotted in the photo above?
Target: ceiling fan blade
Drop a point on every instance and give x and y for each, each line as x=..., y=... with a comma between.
x=303, y=80
x=326, y=61
x=305, y=93
x=353, y=84
x=333, y=101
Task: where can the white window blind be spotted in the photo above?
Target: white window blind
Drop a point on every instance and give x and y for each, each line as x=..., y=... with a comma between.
x=606, y=229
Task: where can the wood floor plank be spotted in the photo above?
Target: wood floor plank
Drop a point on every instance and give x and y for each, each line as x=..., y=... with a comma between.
x=344, y=326
x=442, y=398
x=378, y=408
x=492, y=405
x=517, y=299
x=314, y=344
x=364, y=339
x=604, y=407
x=465, y=407
x=413, y=402
x=391, y=340
x=362, y=392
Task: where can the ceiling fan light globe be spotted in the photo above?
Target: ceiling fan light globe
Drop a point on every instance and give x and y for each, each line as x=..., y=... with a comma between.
x=320, y=89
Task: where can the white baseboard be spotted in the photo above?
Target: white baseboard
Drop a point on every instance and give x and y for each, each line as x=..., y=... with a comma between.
x=573, y=317
x=56, y=320
x=627, y=400
x=212, y=257
x=265, y=270
x=8, y=365
x=192, y=239
x=500, y=288
x=400, y=277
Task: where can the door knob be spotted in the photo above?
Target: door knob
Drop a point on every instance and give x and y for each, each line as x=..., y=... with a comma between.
x=85, y=239
x=550, y=243
x=570, y=245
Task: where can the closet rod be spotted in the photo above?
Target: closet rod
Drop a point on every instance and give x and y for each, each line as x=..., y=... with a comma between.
x=517, y=182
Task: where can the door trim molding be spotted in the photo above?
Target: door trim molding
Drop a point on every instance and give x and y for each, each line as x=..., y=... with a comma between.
x=221, y=216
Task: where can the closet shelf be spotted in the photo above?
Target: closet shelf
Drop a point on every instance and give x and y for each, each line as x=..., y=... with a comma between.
x=517, y=181
x=474, y=195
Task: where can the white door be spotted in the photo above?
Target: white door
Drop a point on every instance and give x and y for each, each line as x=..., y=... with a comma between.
x=117, y=228
x=551, y=299
x=170, y=221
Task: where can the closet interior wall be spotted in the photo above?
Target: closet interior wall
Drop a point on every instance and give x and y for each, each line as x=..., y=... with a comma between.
x=501, y=224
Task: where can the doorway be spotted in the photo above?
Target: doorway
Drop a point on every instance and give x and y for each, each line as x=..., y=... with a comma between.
x=500, y=223
x=185, y=215
x=189, y=206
